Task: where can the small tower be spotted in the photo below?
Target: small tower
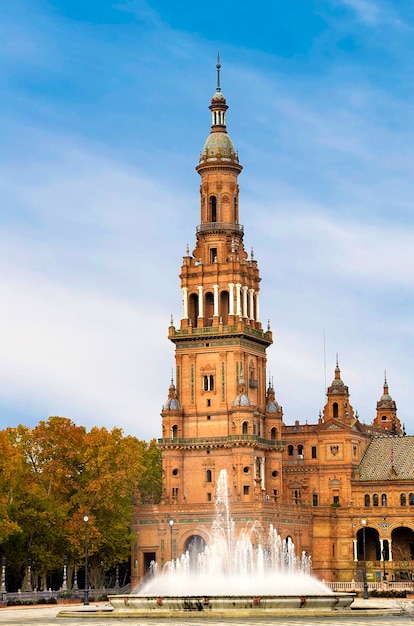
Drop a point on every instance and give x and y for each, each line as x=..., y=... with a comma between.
x=387, y=412
x=337, y=405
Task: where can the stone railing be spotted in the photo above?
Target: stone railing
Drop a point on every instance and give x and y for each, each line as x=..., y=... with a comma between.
x=220, y=440
x=202, y=228
x=406, y=585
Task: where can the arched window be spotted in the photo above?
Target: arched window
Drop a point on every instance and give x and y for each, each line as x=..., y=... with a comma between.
x=193, y=310
x=209, y=309
x=213, y=209
x=208, y=383
x=383, y=499
x=290, y=450
x=245, y=427
x=174, y=431
x=273, y=434
x=403, y=499
x=224, y=307
x=367, y=500
x=297, y=496
x=335, y=409
x=411, y=499
x=375, y=499
x=193, y=546
x=300, y=449
x=208, y=476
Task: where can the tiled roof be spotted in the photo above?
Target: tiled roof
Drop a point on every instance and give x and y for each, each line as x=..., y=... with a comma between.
x=388, y=458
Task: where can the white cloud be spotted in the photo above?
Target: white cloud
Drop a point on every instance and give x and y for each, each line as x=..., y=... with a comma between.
x=367, y=10
x=81, y=354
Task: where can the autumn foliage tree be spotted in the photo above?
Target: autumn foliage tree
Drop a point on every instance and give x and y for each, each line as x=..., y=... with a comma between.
x=51, y=476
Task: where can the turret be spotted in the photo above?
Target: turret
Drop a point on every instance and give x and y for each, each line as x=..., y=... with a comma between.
x=337, y=404
x=387, y=412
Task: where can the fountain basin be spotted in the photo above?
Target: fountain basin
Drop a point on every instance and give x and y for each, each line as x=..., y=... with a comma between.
x=229, y=605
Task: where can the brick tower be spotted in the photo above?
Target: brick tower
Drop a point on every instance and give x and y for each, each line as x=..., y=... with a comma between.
x=219, y=420
x=219, y=413
x=313, y=481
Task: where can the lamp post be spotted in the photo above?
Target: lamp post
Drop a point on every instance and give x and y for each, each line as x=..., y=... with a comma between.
x=86, y=595
x=29, y=575
x=384, y=553
x=364, y=523
x=75, y=578
x=3, y=575
x=65, y=575
x=171, y=523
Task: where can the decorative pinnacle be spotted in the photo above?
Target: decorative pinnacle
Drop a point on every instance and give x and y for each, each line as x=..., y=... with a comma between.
x=218, y=66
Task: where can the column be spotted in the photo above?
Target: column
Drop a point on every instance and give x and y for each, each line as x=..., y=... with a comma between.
x=390, y=549
x=184, y=298
x=355, y=542
x=257, y=307
x=200, y=301
x=251, y=303
x=216, y=311
x=262, y=472
x=238, y=303
x=381, y=549
x=244, y=289
x=231, y=298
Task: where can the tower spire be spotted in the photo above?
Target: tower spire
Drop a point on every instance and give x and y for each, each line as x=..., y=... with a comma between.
x=218, y=66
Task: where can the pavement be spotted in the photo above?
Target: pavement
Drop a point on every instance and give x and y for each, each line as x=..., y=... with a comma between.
x=47, y=615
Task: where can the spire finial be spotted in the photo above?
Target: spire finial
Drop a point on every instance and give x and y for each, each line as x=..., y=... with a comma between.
x=385, y=377
x=218, y=66
x=337, y=370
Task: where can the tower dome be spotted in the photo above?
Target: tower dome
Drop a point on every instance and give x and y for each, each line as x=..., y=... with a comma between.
x=172, y=403
x=241, y=398
x=386, y=417
x=219, y=146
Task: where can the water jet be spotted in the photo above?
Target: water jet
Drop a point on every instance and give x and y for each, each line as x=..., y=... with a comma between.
x=251, y=573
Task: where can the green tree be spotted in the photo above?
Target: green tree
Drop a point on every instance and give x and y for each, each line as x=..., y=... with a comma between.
x=150, y=483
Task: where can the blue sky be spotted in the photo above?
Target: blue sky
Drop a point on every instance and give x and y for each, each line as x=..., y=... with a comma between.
x=103, y=113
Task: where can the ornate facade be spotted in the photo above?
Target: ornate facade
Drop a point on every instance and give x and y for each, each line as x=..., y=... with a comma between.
x=320, y=484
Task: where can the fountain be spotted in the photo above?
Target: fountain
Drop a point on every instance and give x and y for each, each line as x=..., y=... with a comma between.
x=251, y=574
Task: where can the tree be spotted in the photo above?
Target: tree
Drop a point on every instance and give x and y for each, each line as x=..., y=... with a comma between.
x=150, y=483
x=55, y=474
x=11, y=464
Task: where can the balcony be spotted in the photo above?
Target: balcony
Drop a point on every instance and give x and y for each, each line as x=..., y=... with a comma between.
x=227, y=441
x=239, y=329
x=220, y=227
